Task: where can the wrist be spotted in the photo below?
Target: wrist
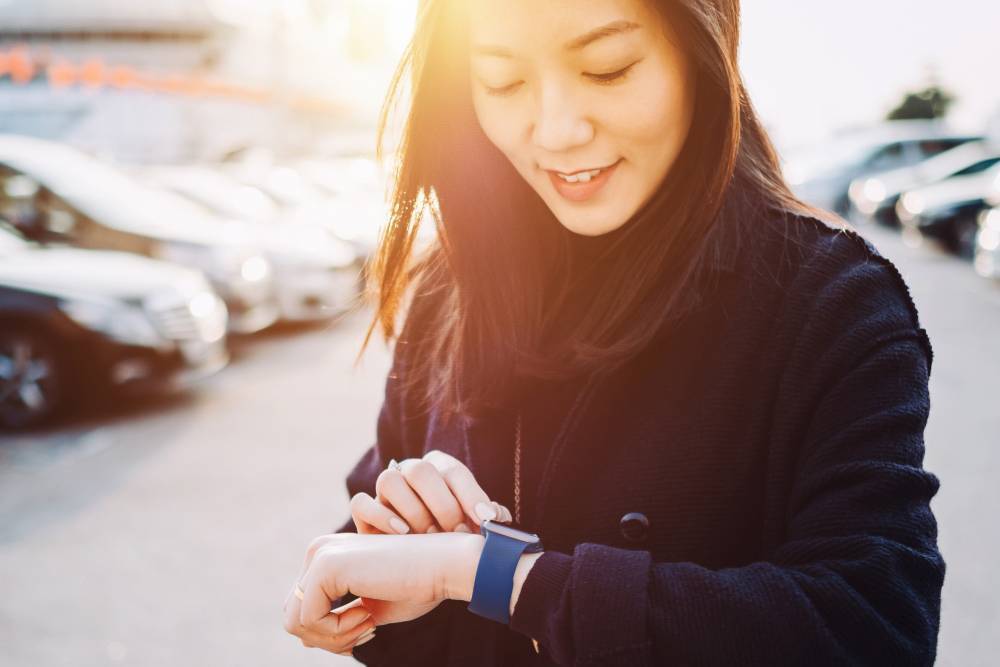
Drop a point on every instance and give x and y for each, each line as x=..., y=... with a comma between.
x=460, y=576
x=524, y=566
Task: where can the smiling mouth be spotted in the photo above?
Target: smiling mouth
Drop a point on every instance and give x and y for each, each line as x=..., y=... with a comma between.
x=581, y=185
x=583, y=175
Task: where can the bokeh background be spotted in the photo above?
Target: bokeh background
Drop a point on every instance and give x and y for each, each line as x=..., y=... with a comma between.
x=188, y=191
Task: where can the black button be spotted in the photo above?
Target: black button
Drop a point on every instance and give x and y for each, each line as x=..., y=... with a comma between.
x=634, y=526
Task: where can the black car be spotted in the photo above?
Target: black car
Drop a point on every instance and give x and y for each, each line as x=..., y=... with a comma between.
x=949, y=211
x=74, y=322
x=56, y=194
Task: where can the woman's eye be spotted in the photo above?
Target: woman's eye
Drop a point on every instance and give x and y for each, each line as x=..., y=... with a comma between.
x=502, y=91
x=610, y=77
x=605, y=78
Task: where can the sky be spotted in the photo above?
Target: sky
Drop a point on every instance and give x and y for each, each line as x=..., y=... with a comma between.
x=811, y=67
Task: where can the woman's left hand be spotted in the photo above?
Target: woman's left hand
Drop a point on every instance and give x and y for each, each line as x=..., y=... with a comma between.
x=421, y=569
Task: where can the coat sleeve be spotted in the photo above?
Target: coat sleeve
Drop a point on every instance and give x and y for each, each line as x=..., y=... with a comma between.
x=857, y=577
x=396, y=436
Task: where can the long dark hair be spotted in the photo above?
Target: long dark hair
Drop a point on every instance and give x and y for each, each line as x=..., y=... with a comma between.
x=500, y=257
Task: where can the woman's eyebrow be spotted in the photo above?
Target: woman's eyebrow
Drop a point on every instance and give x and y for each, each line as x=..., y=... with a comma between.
x=575, y=44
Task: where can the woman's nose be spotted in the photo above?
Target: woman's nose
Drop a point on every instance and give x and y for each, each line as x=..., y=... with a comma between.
x=560, y=123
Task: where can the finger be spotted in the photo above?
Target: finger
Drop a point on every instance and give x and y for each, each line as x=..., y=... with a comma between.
x=375, y=516
x=348, y=615
x=352, y=622
x=392, y=488
x=311, y=551
x=291, y=619
x=339, y=643
x=504, y=514
x=317, y=601
x=461, y=482
x=426, y=480
x=363, y=638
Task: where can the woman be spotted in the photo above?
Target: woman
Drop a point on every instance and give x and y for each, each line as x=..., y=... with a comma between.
x=705, y=398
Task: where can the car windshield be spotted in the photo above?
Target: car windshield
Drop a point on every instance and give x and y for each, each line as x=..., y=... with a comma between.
x=814, y=161
x=220, y=195
x=105, y=193
x=955, y=160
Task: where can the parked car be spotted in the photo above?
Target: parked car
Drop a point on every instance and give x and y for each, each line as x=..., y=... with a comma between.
x=987, y=253
x=874, y=198
x=56, y=194
x=76, y=321
x=949, y=211
x=354, y=214
x=822, y=175
x=316, y=275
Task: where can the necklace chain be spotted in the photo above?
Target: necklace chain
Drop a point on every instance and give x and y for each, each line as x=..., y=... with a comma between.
x=517, y=490
x=517, y=472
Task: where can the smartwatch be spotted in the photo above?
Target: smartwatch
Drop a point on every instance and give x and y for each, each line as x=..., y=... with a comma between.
x=491, y=591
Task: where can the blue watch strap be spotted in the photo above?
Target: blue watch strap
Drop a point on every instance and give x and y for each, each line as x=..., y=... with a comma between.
x=495, y=576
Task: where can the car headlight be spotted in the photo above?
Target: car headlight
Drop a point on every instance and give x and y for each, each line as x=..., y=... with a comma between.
x=222, y=263
x=912, y=203
x=119, y=322
x=255, y=269
x=874, y=190
x=989, y=230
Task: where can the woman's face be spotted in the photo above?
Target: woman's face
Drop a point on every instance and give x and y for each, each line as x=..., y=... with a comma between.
x=590, y=100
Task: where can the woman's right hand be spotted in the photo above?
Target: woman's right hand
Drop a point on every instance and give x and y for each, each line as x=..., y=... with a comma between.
x=430, y=494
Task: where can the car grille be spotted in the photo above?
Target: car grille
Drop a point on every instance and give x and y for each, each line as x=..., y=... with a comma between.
x=174, y=316
x=175, y=322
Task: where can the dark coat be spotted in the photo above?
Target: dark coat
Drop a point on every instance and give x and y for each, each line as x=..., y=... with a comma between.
x=769, y=448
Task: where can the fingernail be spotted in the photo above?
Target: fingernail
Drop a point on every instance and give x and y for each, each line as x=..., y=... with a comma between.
x=463, y=528
x=398, y=525
x=507, y=516
x=485, y=511
x=433, y=529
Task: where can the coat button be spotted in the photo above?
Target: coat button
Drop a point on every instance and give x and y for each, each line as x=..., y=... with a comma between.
x=634, y=526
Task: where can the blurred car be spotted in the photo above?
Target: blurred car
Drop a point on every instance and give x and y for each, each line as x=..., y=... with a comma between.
x=56, y=194
x=875, y=198
x=822, y=175
x=355, y=212
x=344, y=189
x=73, y=321
x=986, y=259
x=316, y=275
x=949, y=211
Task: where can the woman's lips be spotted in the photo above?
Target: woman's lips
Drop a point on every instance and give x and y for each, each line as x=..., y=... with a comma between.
x=581, y=191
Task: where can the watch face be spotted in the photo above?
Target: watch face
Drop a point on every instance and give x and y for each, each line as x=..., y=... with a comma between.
x=511, y=530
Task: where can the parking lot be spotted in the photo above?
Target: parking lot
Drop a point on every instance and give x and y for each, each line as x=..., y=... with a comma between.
x=167, y=531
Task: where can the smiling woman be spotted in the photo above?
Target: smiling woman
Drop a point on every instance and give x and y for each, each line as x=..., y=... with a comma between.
x=592, y=122
x=702, y=400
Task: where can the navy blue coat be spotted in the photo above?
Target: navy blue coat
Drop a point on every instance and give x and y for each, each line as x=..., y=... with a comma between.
x=772, y=441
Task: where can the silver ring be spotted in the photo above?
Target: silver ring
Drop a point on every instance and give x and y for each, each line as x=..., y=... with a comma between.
x=394, y=465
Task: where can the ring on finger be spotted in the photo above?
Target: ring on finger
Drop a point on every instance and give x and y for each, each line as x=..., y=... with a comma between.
x=394, y=465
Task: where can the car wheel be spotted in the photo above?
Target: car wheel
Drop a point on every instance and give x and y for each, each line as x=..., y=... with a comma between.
x=31, y=382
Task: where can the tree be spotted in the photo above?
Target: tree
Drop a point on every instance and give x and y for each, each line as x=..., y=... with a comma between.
x=931, y=102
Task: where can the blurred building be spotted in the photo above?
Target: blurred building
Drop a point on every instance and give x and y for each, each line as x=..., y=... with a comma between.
x=174, y=80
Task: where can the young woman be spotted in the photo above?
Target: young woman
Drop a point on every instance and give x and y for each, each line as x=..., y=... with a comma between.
x=701, y=402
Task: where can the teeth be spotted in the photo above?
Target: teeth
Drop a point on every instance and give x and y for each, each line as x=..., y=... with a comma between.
x=582, y=177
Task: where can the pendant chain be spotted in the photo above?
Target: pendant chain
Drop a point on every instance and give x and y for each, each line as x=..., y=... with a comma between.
x=517, y=472
x=517, y=491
